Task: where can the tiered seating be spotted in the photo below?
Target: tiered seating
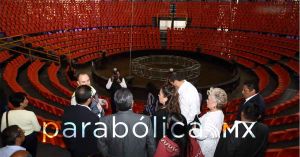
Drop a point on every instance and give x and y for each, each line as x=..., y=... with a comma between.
x=244, y=16
x=85, y=46
x=245, y=45
x=286, y=135
x=284, y=22
x=283, y=152
x=263, y=77
x=239, y=16
x=284, y=105
x=4, y=55
x=294, y=118
x=76, y=15
x=71, y=83
x=33, y=76
x=294, y=65
x=52, y=73
x=245, y=62
x=259, y=42
x=283, y=82
x=10, y=74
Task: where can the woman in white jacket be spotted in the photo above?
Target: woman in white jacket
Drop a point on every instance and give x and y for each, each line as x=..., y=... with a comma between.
x=211, y=122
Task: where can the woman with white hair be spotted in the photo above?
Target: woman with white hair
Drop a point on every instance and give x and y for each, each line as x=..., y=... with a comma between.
x=211, y=122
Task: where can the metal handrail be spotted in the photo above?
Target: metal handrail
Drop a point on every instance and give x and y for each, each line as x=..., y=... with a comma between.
x=6, y=45
x=30, y=55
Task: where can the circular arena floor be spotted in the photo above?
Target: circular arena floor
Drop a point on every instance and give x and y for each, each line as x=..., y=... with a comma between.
x=212, y=71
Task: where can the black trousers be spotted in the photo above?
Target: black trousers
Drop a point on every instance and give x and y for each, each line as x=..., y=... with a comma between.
x=30, y=143
x=113, y=106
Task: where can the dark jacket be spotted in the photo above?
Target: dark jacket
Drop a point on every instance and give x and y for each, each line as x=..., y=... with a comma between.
x=232, y=146
x=130, y=145
x=80, y=146
x=257, y=99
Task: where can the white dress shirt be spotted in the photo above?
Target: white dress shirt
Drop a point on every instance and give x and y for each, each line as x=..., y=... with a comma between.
x=250, y=98
x=209, y=132
x=189, y=101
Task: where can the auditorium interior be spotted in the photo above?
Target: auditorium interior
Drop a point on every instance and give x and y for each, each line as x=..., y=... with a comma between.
x=215, y=43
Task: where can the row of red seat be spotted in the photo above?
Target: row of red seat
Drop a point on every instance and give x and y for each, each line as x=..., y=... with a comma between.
x=283, y=152
x=288, y=119
x=71, y=83
x=283, y=135
x=10, y=75
x=229, y=42
x=247, y=63
x=52, y=73
x=88, y=58
x=284, y=80
x=291, y=45
x=4, y=55
x=294, y=65
x=257, y=51
x=284, y=105
x=33, y=76
x=267, y=47
x=263, y=77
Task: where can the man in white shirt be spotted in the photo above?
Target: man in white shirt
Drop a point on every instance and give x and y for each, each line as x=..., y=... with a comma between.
x=12, y=137
x=189, y=100
x=97, y=103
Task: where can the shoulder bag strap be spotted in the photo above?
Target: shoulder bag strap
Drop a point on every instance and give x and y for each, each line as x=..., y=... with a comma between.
x=7, y=118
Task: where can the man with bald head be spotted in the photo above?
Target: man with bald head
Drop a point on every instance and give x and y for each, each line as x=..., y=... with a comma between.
x=96, y=106
x=80, y=140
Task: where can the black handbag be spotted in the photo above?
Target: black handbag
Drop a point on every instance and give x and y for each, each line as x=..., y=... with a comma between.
x=196, y=120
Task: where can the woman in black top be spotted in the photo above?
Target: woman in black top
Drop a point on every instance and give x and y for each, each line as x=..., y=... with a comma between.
x=168, y=98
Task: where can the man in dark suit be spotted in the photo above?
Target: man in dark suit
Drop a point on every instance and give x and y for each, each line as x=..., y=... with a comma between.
x=251, y=94
x=128, y=134
x=248, y=146
x=79, y=124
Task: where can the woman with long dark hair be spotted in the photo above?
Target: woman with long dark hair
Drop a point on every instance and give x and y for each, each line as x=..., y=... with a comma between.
x=168, y=99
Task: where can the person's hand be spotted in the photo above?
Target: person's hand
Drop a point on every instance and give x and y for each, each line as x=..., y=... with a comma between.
x=104, y=103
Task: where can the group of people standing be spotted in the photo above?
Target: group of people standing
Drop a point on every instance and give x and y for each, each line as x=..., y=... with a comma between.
x=175, y=126
x=180, y=97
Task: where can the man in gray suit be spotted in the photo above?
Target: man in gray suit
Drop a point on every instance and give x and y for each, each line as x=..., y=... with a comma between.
x=127, y=134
